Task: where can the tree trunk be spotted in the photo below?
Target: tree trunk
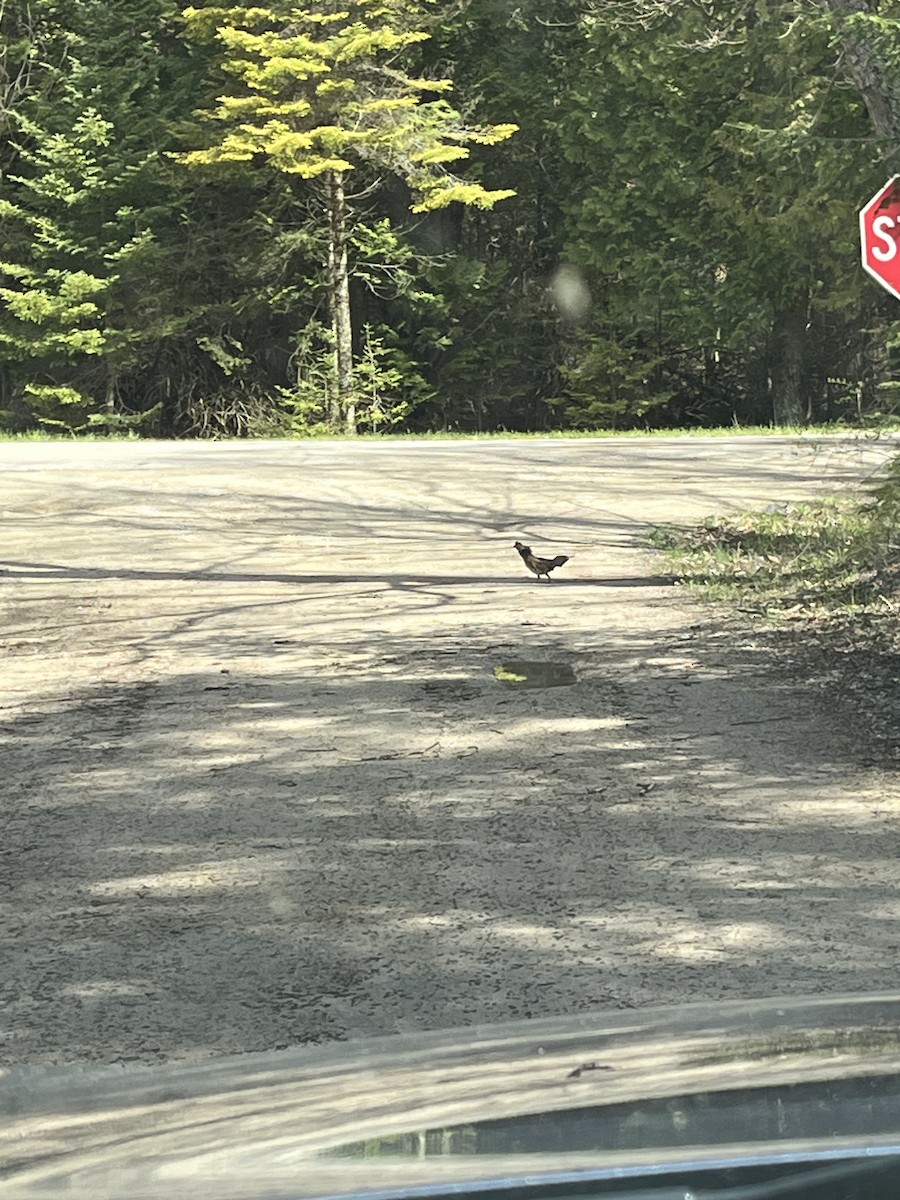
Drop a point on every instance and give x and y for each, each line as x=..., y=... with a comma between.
x=787, y=376
x=339, y=300
x=110, y=394
x=869, y=71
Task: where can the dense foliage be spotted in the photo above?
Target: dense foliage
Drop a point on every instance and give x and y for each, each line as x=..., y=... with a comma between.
x=669, y=238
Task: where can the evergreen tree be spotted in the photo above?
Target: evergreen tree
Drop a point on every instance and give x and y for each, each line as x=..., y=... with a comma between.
x=319, y=94
x=78, y=205
x=505, y=337
x=710, y=213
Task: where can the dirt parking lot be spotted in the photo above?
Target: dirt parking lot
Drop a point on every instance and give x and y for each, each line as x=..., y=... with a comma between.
x=261, y=784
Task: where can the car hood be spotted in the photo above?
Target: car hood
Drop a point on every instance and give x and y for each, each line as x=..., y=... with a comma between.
x=597, y=1096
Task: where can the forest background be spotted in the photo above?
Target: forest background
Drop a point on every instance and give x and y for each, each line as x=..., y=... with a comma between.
x=487, y=215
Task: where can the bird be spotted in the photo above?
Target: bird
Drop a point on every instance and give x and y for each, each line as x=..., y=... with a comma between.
x=540, y=566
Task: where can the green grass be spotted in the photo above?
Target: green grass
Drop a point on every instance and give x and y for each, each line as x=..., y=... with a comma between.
x=693, y=432
x=820, y=581
x=723, y=431
x=40, y=435
x=563, y=435
x=832, y=565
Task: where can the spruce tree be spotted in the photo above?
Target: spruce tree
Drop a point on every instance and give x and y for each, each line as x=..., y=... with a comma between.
x=318, y=95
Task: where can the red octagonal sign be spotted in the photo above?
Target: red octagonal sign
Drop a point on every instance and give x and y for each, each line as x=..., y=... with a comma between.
x=879, y=231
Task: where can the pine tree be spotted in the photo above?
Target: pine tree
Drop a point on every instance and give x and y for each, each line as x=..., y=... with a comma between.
x=81, y=194
x=320, y=94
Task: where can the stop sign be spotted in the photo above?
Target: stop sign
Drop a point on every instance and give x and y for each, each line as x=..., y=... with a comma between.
x=879, y=230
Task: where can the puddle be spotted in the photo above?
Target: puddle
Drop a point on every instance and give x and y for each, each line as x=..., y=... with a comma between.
x=525, y=674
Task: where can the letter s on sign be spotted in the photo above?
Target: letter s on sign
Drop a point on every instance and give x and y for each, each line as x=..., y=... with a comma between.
x=881, y=228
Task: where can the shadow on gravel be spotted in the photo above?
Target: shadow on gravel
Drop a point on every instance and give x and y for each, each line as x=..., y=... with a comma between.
x=336, y=831
x=231, y=862
x=36, y=571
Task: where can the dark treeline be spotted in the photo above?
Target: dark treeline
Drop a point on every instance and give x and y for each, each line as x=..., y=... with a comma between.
x=227, y=221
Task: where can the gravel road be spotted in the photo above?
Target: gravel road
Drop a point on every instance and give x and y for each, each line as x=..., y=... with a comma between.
x=261, y=784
